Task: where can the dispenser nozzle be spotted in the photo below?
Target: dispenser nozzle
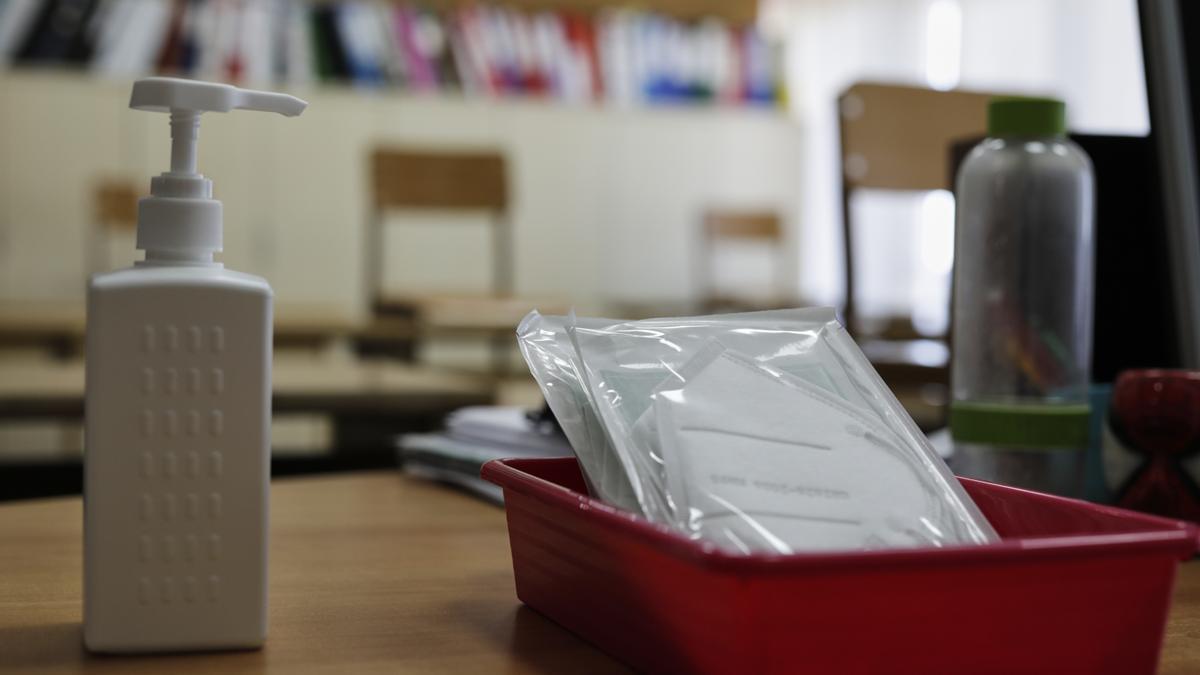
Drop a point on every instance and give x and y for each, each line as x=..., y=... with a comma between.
x=164, y=94
x=186, y=99
x=181, y=220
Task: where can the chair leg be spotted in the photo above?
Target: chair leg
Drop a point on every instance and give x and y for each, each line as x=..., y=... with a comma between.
x=503, y=264
x=373, y=261
x=849, y=311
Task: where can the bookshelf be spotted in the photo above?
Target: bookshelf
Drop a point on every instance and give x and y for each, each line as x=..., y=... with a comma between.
x=735, y=12
x=673, y=52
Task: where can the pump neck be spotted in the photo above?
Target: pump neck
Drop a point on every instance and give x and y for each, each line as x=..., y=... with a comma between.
x=185, y=130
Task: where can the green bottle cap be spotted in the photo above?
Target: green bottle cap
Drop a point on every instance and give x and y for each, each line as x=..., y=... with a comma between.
x=1021, y=425
x=1020, y=116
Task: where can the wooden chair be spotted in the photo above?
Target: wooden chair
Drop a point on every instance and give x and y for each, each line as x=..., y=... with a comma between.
x=41, y=326
x=899, y=138
x=405, y=179
x=720, y=227
x=115, y=209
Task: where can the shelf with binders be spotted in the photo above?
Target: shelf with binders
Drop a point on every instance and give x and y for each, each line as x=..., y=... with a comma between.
x=686, y=53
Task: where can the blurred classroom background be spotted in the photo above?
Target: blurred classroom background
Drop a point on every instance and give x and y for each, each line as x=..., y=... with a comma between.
x=463, y=163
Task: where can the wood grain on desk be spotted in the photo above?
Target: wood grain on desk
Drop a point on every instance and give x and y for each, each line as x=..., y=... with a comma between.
x=468, y=314
x=369, y=573
x=46, y=387
x=63, y=318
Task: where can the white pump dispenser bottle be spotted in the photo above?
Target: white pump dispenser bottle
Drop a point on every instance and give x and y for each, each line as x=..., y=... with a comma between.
x=178, y=406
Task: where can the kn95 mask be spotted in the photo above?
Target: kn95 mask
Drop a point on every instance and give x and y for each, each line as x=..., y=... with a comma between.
x=761, y=461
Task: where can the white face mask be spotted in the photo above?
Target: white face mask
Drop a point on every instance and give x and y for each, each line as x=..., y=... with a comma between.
x=757, y=460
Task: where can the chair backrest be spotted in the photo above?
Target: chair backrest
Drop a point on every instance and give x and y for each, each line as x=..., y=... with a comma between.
x=898, y=137
x=746, y=225
x=758, y=226
x=114, y=219
x=116, y=204
x=406, y=178
x=413, y=179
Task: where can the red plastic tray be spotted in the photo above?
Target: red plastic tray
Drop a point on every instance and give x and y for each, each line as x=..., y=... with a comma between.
x=1072, y=588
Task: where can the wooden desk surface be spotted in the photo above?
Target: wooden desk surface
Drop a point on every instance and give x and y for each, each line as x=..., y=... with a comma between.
x=467, y=314
x=371, y=572
x=66, y=319
x=48, y=388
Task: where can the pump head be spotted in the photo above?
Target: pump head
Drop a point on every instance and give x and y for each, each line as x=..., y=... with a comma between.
x=180, y=220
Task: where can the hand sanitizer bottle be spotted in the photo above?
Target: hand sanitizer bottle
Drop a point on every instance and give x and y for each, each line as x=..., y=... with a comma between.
x=178, y=409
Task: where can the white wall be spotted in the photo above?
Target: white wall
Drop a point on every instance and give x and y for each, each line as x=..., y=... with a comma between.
x=605, y=202
x=1085, y=51
x=1088, y=52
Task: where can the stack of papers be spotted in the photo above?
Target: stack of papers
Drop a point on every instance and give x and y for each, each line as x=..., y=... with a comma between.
x=475, y=436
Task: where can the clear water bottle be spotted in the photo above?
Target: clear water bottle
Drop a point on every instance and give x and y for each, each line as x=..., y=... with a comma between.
x=1022, y=337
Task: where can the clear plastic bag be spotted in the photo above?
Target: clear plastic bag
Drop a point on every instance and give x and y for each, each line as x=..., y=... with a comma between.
x=551, y=358
x=763, y=431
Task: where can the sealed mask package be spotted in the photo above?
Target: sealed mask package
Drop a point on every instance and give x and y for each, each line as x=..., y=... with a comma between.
x=813, y=472
x=551, y=358
x=761, y=432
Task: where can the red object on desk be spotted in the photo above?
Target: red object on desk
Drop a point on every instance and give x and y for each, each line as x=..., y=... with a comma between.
x=1156, y=414
x=1073, y=587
